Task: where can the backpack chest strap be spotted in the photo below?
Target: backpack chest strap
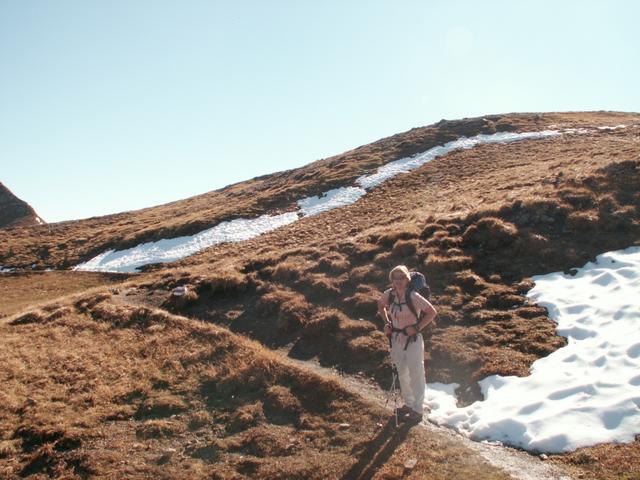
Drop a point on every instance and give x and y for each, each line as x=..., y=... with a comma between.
x=408, y=302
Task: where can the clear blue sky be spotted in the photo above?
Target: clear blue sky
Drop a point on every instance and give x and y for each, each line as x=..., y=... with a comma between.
x=107, y=106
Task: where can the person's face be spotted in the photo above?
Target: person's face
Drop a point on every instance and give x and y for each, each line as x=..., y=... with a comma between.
x=399, y=280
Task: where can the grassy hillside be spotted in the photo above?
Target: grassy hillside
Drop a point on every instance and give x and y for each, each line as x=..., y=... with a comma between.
x=479, y=223
x=94, y=388
x=478, y=232
x=67, y=243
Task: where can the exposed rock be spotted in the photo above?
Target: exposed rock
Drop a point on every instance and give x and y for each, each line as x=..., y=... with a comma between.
x=15, y=212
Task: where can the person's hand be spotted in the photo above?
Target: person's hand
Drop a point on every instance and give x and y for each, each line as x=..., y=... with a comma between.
x=411, y=330
x=387, y=329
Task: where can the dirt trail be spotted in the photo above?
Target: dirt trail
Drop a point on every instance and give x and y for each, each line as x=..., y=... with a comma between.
x=517, y=463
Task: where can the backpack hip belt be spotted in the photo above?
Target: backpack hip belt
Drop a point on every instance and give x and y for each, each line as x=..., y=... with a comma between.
x=410, y=338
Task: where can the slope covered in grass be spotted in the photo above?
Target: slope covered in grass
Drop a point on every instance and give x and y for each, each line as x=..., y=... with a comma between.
x=63, y=244
x=479, y=223
x=100, y=389
x=23, y=290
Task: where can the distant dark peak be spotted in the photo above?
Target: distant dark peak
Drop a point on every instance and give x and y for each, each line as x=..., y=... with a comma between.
x=15, y=212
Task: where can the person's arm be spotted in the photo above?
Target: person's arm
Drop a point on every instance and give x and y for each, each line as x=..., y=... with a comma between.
x=382, y=310
x=425, y=306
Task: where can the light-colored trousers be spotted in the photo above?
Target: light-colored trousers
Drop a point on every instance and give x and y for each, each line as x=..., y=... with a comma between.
x=410, y=366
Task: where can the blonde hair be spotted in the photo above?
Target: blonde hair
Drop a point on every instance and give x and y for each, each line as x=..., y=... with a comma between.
x=399, y=268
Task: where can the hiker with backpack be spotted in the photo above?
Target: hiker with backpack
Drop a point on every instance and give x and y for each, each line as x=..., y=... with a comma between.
x=406, y=312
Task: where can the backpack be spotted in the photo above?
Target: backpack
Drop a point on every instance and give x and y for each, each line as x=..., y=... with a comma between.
x=419, y=284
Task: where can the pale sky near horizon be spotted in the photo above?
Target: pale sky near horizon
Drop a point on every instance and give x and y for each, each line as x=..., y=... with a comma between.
x=119, y=105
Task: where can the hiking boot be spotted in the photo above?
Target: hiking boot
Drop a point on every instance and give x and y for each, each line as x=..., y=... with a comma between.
x=413, y=416
x=402, y=411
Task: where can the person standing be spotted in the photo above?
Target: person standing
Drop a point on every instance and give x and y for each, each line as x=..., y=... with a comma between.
x=403, y=325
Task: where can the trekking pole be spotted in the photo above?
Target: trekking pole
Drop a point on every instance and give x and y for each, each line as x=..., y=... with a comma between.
x=392, y=389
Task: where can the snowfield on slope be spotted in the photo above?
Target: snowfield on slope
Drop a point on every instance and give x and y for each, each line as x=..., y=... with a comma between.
x=169, y=250
x=585, y=393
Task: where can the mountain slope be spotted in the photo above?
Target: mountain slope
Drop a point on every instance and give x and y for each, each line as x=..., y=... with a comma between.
x=15, y=212
x=479, y=222
x=478, y=232
x=138, y=393
x=63, y=244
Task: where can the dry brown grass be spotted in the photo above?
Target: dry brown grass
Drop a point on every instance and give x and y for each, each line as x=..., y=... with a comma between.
x=67, y=243
x=479, y=232
x=30, y=289
x=603, y=462
x=478, y=263
x=333, y=263
x=289, y=309
x=109, y=390
x=176, y=303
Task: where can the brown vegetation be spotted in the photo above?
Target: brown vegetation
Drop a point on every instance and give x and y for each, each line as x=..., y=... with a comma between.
x=62, y=244
x=479, y=223
x=20, y=290
x=107, y=389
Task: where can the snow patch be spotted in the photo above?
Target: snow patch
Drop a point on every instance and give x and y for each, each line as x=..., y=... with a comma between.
x=407, y=164
x=585, y=393
x=441, y=396
x=173, y=249
x=612, y=128
x=335, y=198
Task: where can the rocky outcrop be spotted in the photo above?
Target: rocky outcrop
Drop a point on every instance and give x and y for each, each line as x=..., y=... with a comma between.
x=15, y=212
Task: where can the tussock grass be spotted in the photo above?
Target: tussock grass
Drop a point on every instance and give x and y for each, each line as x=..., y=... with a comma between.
x=477, y=265
x=479, y=234
x=117, y=397
x=22, y=290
